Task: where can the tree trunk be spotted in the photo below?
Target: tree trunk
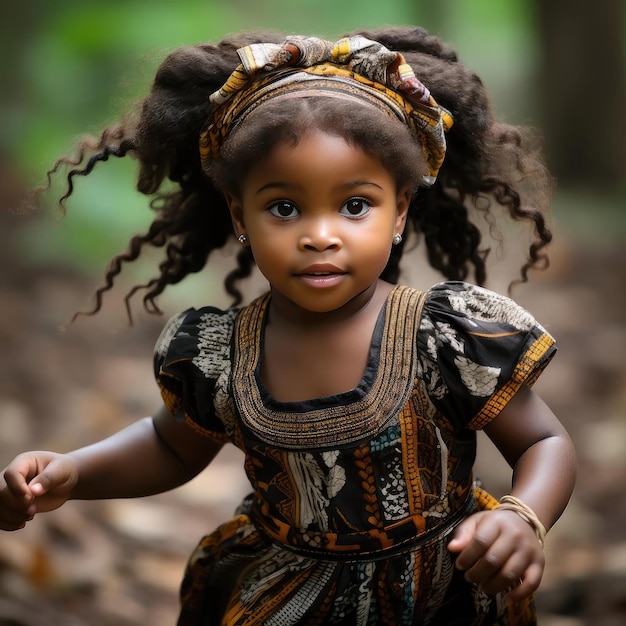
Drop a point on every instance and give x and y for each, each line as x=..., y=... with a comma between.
x=583, y=90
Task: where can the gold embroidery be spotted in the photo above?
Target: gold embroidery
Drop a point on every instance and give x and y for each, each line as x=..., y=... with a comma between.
x=332, y=425
x=526, y=371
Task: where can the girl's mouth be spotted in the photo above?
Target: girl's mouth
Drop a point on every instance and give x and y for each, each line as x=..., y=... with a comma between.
x=321, y=275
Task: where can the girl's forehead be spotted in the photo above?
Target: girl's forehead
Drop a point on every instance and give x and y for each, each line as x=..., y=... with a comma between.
x=317, y=158
x=317, y=144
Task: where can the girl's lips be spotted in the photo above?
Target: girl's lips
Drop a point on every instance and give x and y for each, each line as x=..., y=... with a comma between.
x=321, y=275
x=320, y=268
x=321, y=279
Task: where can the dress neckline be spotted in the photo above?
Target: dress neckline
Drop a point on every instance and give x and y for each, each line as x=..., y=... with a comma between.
x=345, y=397
x=343, y=418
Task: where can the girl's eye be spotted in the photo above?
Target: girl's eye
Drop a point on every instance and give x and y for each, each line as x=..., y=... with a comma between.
x=355, y=207
x=284, y=209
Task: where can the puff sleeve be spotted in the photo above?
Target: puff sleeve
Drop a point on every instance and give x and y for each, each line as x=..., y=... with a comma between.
x=191, y=361
x=476, y=349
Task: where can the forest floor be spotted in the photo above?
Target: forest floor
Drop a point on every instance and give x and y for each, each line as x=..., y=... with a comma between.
x=120, y=562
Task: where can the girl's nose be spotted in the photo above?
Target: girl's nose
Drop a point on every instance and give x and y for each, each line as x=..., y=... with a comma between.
x=319, y=236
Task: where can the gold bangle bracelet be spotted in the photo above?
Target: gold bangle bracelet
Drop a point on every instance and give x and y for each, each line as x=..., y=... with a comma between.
x=511, y=503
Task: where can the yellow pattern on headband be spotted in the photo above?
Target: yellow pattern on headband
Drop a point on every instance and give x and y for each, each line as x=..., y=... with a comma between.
x=353, y=67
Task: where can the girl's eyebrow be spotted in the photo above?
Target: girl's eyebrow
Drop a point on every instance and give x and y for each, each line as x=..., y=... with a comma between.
x=348, y=185
x=275, y=185
x=361, y=183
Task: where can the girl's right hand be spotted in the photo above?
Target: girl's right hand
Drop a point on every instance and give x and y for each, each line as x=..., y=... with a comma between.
x=35, y=482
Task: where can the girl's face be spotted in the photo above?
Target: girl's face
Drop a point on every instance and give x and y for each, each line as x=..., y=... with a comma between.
x=320, y=217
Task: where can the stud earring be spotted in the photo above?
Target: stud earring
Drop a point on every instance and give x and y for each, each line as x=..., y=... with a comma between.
x=397, y=238
x=242, y=239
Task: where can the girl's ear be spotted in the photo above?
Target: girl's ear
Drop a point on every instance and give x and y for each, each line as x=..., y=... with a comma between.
x=403, y=201
x=236, y=213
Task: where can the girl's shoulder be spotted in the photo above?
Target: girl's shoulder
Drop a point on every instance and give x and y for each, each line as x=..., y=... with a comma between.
x=471, y=306
x=476, y=349
x=186, y=332
x=201, y=337
x=191, y=354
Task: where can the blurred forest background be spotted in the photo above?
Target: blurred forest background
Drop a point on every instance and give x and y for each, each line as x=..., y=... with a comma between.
x=73, y=67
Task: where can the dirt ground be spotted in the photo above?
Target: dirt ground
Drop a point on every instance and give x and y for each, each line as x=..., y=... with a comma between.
x=119, y=563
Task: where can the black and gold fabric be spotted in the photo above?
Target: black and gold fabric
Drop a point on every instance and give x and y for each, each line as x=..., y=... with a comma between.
x=354, y=496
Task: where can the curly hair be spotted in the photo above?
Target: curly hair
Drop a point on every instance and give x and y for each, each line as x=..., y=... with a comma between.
x=489, y=166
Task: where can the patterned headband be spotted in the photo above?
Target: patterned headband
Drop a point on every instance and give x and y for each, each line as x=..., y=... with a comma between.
x=354, y=68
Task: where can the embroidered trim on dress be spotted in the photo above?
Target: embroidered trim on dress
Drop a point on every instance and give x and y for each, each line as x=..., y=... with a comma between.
x=331, y=425
x=526, y=372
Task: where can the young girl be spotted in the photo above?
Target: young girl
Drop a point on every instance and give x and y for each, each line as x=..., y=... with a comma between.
x=355, y=400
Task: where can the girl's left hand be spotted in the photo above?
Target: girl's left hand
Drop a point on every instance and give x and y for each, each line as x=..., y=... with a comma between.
x=499, y=551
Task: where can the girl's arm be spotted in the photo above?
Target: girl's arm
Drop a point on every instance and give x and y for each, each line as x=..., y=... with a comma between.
x=498, y=549
x=541, y=453
x=148, y=457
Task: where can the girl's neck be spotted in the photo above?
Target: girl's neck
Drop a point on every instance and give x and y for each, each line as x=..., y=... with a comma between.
x=315, y=355
x=286, y=313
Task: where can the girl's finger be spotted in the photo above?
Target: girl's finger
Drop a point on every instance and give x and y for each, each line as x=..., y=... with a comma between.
x=508, y=575
x=530, y=583
x=14, y=520
x=463, y=535
x=51, y=477
x=484, y=537
x=492, y=564
x=15, y=479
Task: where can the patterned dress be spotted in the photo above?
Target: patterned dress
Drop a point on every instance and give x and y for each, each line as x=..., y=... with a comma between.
x=356, y=495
